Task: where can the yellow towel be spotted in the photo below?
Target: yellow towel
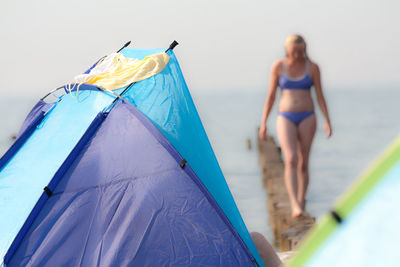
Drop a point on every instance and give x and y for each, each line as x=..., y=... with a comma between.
x=117, y=71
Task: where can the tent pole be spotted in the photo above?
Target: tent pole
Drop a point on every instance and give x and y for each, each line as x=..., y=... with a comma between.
x=125, y=45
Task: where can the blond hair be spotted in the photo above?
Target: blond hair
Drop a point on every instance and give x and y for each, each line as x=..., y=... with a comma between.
x=296, y=39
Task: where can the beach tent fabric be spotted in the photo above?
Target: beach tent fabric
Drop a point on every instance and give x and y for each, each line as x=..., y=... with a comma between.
x=116, y=208
x=166, y=101
x=364, y=230
x=37, y=155
x=37, y=113
x=113, y=177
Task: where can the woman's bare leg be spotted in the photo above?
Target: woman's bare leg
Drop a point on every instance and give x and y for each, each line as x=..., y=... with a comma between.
x=302, y=178
x=306, y=132
x=287, y=135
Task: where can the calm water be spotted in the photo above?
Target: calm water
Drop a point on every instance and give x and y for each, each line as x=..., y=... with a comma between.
x=364, y=123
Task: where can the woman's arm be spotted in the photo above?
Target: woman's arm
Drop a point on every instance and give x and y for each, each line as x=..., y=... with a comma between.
x=269, y=102
x=316, y=77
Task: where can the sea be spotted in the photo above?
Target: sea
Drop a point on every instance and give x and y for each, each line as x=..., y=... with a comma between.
x=364, y=122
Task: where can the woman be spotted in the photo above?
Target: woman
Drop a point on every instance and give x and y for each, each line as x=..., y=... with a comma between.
x=295, y=74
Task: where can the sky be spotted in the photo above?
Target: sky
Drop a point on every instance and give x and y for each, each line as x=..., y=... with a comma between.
x=224, y=45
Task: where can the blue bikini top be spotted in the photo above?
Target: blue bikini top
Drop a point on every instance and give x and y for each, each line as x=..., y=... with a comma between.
x=303, y=83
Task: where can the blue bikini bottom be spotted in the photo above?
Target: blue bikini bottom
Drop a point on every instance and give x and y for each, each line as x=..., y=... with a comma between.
x=296, y=117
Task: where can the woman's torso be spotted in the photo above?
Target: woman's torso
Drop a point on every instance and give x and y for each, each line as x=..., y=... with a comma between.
x=296, y=92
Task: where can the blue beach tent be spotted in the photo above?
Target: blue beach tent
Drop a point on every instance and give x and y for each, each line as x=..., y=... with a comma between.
x=119, y=178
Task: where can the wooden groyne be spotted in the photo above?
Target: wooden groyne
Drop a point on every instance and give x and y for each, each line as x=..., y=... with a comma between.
x=288, y=232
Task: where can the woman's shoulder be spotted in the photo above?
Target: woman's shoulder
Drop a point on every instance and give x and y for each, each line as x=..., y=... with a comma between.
x=278, y=63
x=277, y=66
x=314, y=68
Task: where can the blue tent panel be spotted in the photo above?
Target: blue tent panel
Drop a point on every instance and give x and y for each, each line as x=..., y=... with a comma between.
x=25, y=174
x=126, y=201
x=166, y=101
x=41, y=108
x=141, y=53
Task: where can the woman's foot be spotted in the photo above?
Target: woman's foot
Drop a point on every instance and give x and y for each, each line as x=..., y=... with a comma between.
x=296, y=211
